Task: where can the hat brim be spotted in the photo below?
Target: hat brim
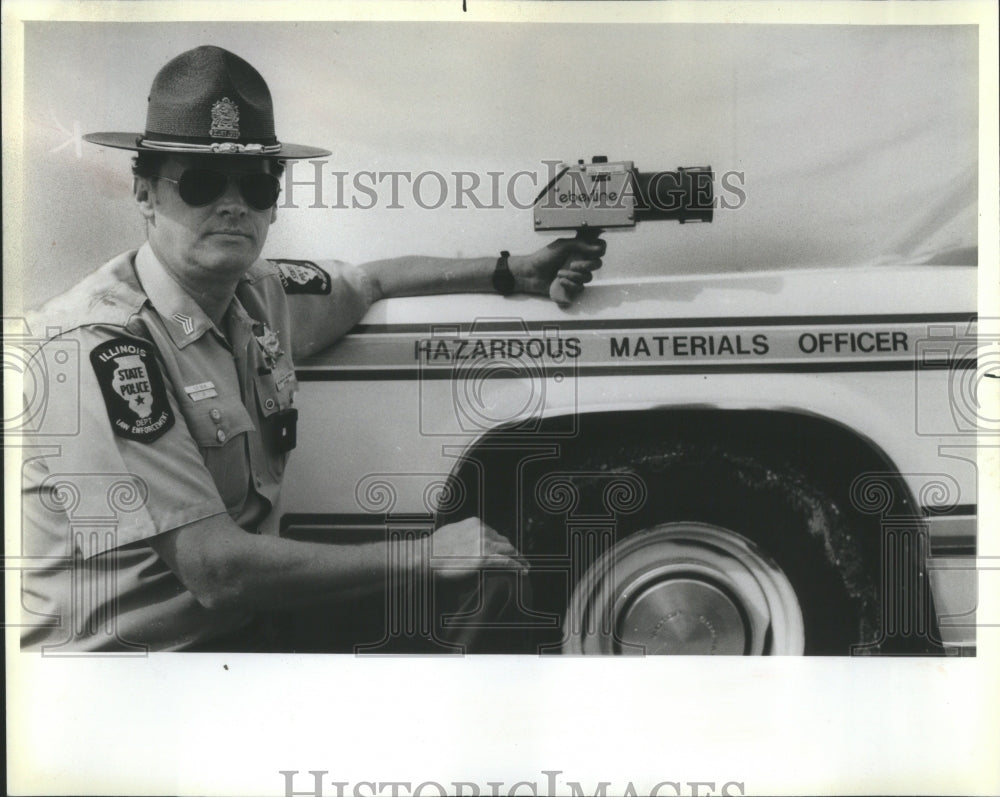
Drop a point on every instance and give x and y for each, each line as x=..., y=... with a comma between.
x=131, y=141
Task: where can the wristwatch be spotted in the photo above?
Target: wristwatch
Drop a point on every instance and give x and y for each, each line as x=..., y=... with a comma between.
x=503, y=280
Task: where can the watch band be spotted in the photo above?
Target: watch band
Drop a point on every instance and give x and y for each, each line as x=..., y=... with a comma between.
x=503, y=279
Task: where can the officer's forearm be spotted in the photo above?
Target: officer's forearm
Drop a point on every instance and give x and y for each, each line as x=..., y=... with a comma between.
x=420, y=276
x=224, y=567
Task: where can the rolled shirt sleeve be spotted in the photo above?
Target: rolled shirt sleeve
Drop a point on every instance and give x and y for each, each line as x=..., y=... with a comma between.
x=164, y=467
x=90, y=501
x=325, y=299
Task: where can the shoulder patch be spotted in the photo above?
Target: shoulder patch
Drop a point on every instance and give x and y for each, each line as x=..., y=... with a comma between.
x=302, y=276
x=134, y=393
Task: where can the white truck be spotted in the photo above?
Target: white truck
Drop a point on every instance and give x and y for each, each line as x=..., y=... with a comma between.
x=753, y=463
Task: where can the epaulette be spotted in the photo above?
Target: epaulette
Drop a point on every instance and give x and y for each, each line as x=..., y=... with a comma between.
x=111, y=296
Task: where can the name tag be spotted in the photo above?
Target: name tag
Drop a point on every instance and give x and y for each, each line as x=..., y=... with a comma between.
x=202, y=390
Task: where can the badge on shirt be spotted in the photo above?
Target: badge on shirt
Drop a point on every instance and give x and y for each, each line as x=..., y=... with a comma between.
x=267, y=340
x=134, y=393
x=302, y=276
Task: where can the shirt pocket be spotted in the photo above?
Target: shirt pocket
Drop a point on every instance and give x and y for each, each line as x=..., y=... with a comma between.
x=275, y=390
x=219, y=426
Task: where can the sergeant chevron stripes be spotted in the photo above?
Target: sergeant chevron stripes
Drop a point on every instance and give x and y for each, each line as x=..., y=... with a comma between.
x=185, y=321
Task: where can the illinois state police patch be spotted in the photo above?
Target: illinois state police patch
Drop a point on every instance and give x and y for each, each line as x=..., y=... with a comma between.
x=302, y=276
x=134, y=393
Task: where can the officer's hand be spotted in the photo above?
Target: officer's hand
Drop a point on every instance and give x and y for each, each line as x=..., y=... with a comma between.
x=560, y=269
x=471, y=545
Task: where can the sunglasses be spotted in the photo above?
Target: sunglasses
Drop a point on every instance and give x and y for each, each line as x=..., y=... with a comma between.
x=200, y=187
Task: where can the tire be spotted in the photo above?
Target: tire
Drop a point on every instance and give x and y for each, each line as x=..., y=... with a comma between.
x=700, y=548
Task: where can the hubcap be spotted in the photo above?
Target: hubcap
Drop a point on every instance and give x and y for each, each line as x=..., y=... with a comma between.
x=684, y=588
x=684, y=616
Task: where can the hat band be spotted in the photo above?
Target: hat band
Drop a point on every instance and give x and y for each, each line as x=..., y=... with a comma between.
x=220, y=147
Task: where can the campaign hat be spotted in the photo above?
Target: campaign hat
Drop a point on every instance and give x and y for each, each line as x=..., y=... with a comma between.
x=209, y=101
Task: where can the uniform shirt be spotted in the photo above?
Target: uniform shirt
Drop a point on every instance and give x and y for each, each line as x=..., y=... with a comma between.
x=178, y=420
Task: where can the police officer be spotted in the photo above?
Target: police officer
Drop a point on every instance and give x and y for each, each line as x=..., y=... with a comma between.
x=147, y=524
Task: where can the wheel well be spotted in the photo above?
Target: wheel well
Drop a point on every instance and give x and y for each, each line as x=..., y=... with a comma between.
x=831, y=455
x=812, y=460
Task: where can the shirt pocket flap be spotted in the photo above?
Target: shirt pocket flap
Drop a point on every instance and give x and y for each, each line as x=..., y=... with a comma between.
x=216, y=421
x=274, y=390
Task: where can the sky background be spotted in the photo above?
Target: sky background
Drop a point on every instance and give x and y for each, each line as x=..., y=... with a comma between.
x=857, y=144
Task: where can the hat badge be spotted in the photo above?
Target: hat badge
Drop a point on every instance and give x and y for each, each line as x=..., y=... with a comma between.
x=225, y=119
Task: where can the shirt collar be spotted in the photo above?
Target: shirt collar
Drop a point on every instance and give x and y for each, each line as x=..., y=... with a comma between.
x=238, y=322
x=185, y=321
